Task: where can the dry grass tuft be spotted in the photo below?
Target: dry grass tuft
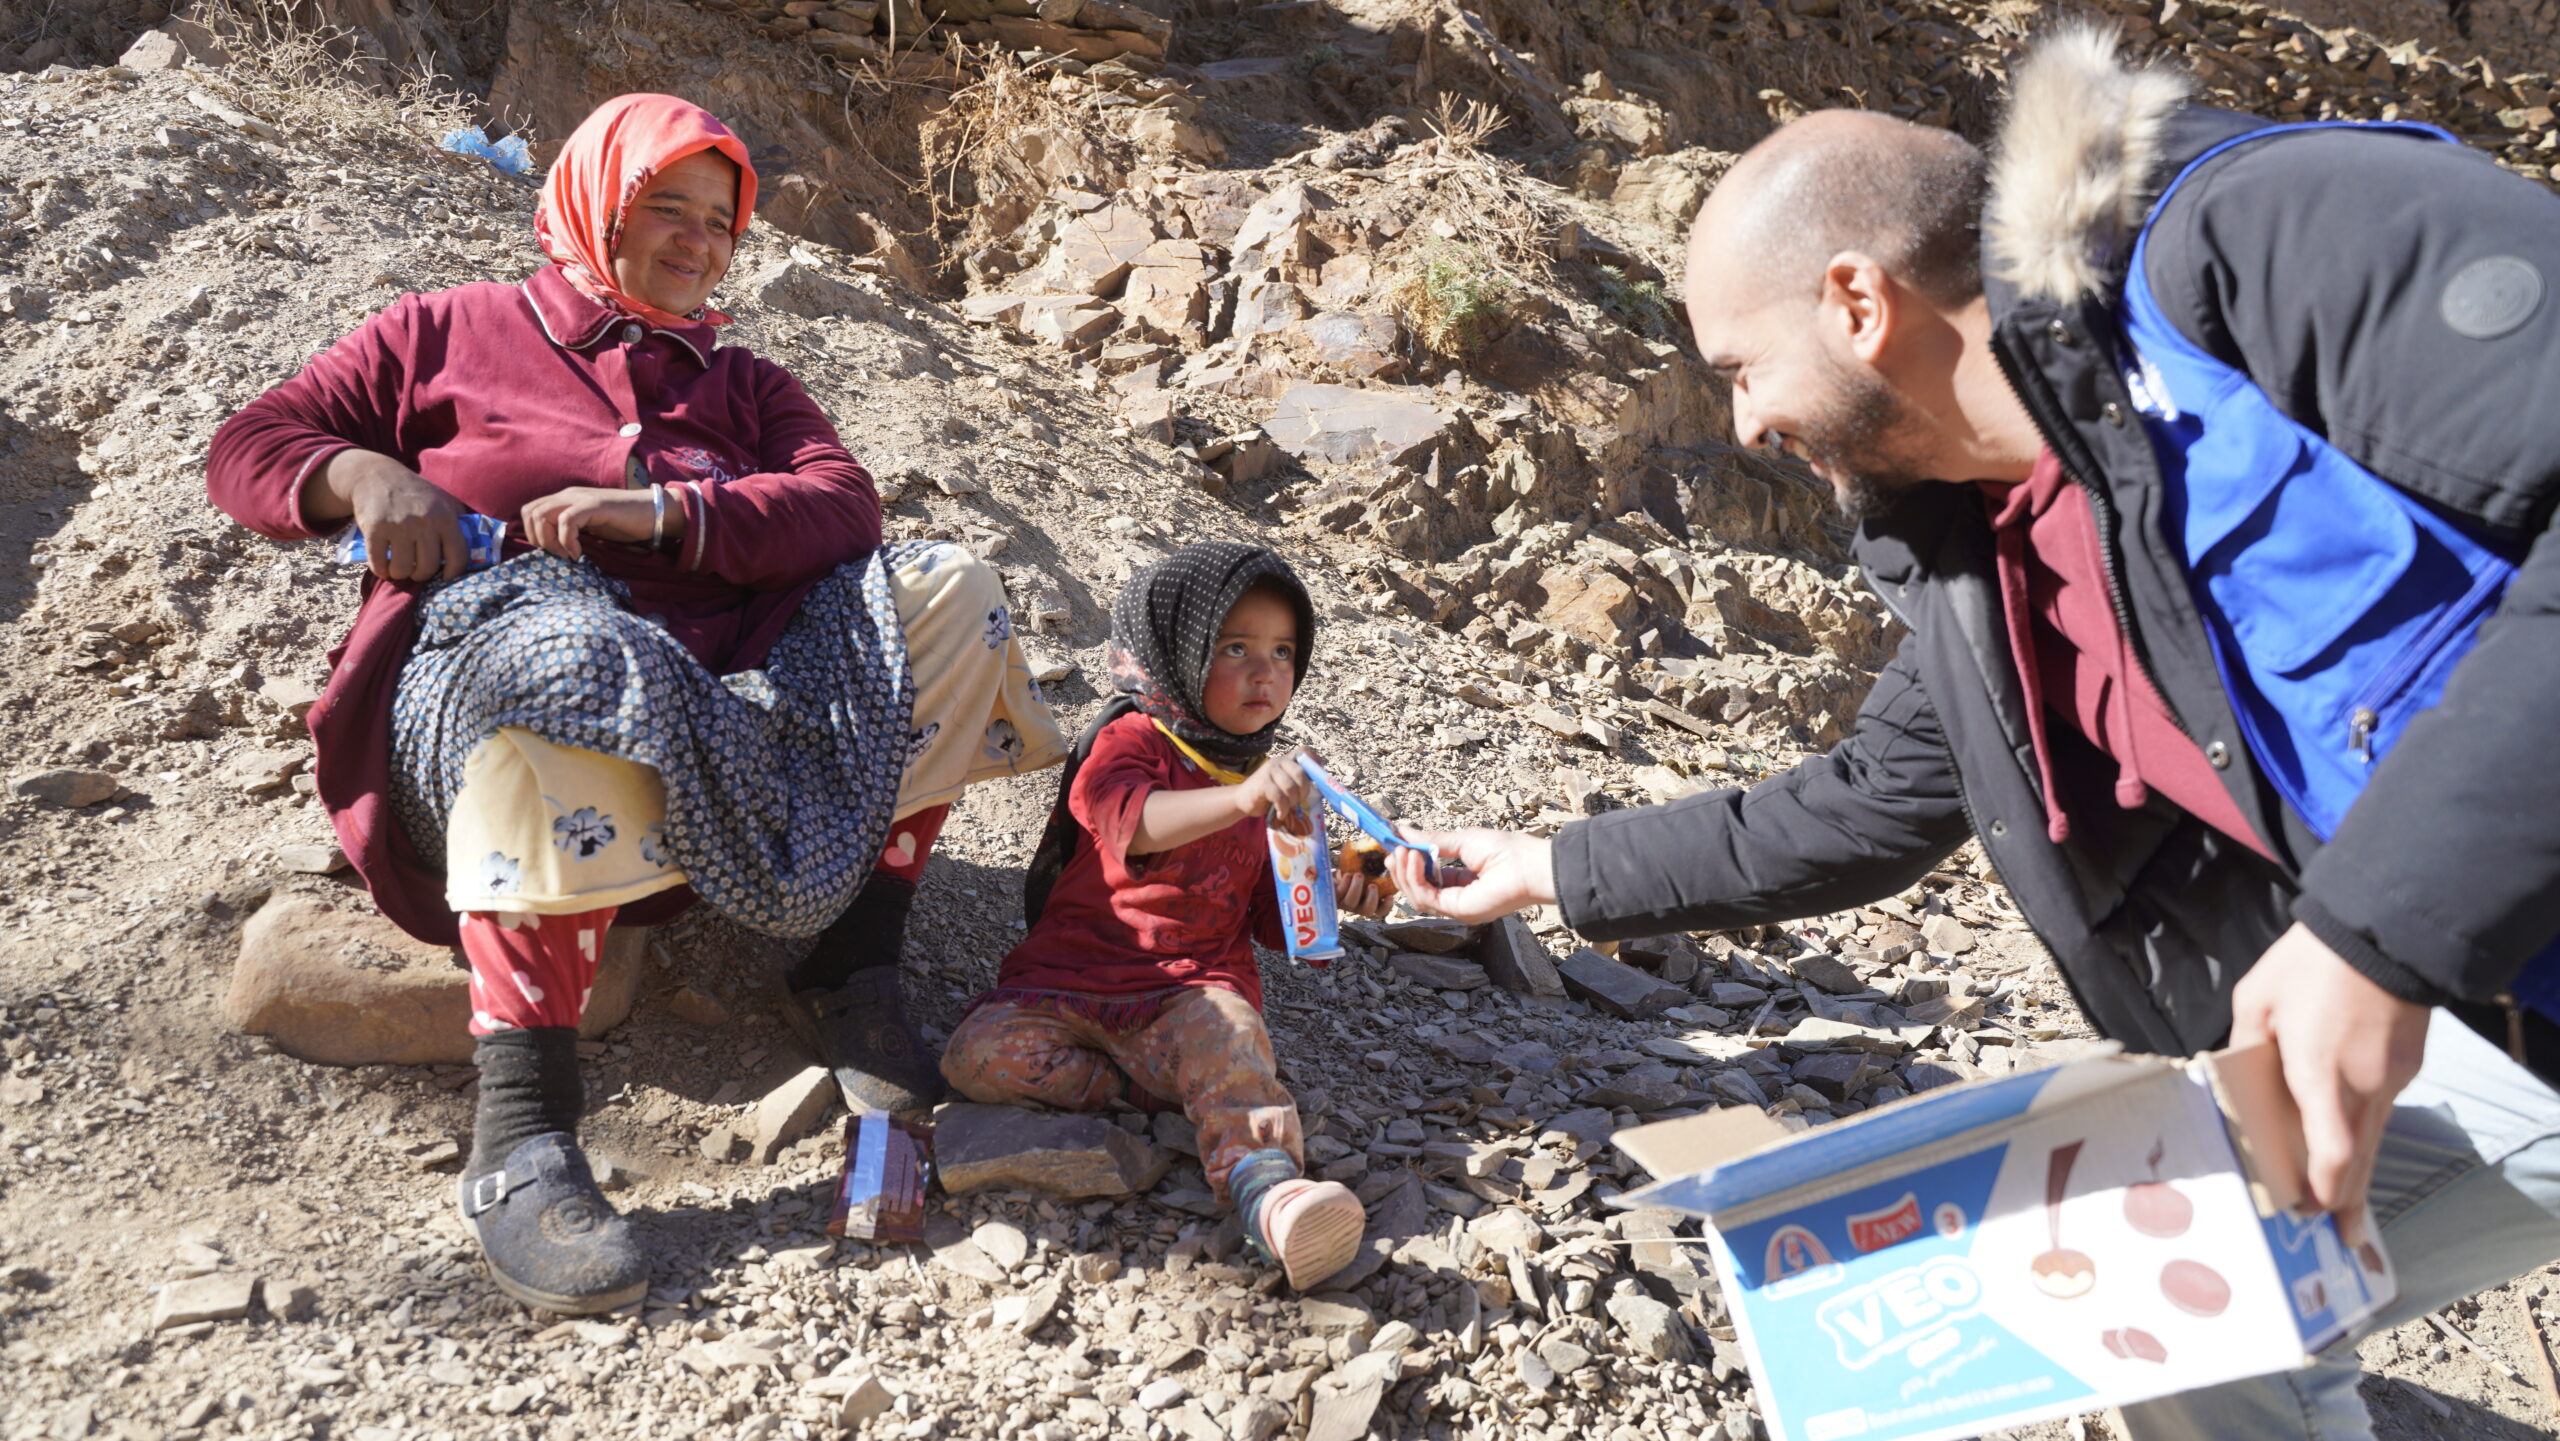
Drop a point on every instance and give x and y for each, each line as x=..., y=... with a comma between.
x=995, y=141
x=1484, y=238
x=1463, y=125
x=315, y=78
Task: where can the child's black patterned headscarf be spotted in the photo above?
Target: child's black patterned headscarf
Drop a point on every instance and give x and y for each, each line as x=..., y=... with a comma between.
x=1164, y=629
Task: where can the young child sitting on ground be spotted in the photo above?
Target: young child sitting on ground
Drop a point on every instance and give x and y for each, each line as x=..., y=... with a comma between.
x=1138, y=980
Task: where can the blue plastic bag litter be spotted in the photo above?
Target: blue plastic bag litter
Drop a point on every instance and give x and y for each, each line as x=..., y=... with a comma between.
x=511, y=155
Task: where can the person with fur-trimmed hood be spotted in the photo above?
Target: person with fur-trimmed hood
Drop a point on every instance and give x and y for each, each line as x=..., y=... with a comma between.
x=2212, y=464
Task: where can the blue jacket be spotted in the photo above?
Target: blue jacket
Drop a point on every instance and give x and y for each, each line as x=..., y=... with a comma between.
x=2322, y=266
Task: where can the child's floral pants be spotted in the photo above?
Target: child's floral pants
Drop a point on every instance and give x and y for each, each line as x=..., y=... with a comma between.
x=1203, y=1048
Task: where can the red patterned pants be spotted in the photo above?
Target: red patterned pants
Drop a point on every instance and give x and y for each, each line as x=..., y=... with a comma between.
x=529, y=971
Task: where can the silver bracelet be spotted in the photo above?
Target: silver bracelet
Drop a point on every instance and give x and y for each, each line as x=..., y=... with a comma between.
x=657, y=517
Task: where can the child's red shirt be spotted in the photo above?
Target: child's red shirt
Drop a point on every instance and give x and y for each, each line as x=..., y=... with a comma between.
x=1124, y=925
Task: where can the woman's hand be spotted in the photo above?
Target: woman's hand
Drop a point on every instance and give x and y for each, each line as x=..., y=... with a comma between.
x=560, y=522
x=411, y=530
x=1511, y=871
x=1355, y=892
x=1277, y=792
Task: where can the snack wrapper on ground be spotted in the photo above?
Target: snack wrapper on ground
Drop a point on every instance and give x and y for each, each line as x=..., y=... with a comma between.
x=888, y=1167
x=1302, y=868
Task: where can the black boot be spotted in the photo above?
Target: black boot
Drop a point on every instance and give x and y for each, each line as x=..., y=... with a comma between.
x=549, y=1236
x=844, y=1002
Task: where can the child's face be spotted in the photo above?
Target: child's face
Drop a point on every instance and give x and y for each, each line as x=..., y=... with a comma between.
x=1253, y=670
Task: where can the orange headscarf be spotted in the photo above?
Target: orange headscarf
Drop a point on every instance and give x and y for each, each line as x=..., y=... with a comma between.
x=610, y=158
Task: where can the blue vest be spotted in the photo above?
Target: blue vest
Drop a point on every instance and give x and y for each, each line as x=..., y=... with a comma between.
x=2337, y=603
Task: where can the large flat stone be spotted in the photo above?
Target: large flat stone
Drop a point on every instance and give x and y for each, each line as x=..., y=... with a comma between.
x=1097, y=250
x=977, y=1147
x=1670, y=957
x=1838, y=1075
x=1091, y=46
x=1437, y=935
x=1617, y=988
x=1517, y=960
x=1817, y=1033
x=792, y=1110
x=1441, y=973
x=1363, y=345
x=1343, y=423
x=1395, y=1216
x=1067, y=322
x=1829, y=973
x=1590, y=602
x=65, y=787
x=1652, y=1329
x=222, y=1296
x=812, y=294
x=1642, y=1088
x=1167, y=289
x=1280, y=226
x=348, y=988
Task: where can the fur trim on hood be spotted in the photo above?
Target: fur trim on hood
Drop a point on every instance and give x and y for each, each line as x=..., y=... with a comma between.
x=2075, y=153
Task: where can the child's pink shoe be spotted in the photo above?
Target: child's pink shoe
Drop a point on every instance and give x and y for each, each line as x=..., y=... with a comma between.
x=1312, y=1228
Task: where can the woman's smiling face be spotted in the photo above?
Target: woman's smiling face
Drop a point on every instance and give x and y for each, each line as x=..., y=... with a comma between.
x=678, y=236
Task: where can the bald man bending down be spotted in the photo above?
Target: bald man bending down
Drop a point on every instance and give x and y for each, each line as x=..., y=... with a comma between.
x=2195, y=544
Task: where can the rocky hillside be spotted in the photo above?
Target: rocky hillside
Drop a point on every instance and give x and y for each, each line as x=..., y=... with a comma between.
x=1383, y=284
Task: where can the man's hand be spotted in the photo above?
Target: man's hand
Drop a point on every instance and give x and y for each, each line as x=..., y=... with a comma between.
x=1512, y=871
x=560, y=522
x=2347, y=1047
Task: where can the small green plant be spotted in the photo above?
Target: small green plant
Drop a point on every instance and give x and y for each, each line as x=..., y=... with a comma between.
x=1454, y=300
x=1639, y=305
x=1318, y=58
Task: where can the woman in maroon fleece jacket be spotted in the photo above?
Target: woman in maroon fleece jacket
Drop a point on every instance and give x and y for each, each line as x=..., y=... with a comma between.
x=516, y=759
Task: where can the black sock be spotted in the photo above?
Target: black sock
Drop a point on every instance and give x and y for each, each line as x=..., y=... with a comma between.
x=529, y=1085
x=872, y=932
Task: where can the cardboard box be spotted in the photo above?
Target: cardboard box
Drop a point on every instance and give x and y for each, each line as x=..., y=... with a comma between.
x=2005, y=1251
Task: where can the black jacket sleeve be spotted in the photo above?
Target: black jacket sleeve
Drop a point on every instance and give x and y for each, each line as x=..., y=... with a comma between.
x=2343, y=272
x=1866, y=820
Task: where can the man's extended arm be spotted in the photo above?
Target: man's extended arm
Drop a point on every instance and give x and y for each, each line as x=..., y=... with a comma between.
x=1864, y=821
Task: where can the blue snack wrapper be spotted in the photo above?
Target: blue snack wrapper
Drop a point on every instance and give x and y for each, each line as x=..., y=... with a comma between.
x=481, y=535
x=1360, y=813
x=1302, y=868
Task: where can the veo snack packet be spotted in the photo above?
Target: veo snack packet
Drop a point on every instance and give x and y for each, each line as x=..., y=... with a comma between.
x=481, y=537
x=1376, y=827
x=1302, y=868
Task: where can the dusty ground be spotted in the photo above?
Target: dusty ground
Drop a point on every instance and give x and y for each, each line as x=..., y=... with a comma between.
x=163, y=265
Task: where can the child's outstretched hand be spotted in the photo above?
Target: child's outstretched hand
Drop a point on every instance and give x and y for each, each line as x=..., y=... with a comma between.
x=1277, y=792
x=1361, y=895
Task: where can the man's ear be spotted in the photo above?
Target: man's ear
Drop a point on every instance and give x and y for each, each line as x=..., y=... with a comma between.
x=1862, y=301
